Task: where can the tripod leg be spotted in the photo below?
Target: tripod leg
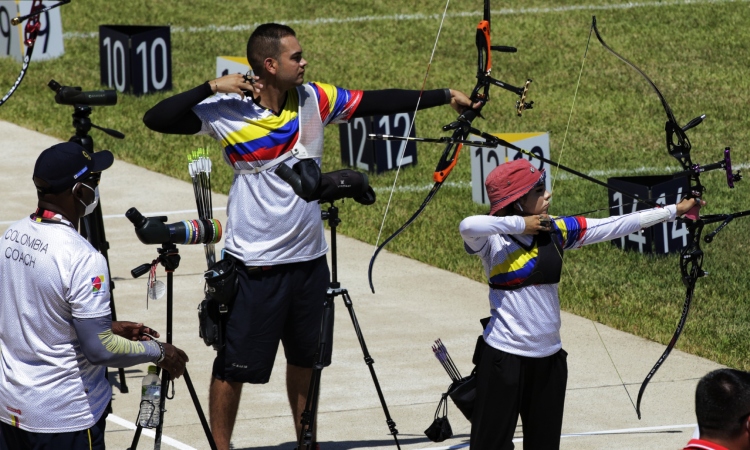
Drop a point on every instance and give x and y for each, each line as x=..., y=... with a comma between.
x=311, y=404
x=199, y=410
x=307, y=433
x=136, y=437
x=369, y=361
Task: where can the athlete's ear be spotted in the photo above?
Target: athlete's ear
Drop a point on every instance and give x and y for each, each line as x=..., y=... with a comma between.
x=269, y=65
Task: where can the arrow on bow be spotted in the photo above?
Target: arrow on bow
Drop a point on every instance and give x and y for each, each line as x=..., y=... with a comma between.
x=462, y=126
x=30, y=34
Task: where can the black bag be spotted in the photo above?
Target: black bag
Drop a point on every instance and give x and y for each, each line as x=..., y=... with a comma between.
x=222, y=282
x=222, y=285
x=211, y=323
x=463, y=393
x=440, y=429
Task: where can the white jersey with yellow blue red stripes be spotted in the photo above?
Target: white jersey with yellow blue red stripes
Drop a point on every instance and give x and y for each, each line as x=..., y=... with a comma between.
x=268, y=223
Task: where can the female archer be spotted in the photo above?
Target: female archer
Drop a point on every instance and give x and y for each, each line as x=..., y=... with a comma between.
x=523, y=368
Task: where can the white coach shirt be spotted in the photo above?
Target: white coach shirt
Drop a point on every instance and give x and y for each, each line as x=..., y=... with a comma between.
x=49, y=274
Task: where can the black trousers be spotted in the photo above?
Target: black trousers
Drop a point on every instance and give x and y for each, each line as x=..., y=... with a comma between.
x=509, y=385
x=88, y=439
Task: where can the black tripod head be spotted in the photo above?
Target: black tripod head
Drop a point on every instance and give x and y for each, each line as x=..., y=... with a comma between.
x=81, y=101
x=169, y=257
x=331, y=215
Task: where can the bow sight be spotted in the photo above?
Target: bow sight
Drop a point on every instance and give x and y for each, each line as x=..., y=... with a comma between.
x=484, y=69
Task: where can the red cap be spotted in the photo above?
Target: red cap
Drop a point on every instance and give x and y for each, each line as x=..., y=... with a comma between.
x=510, y=181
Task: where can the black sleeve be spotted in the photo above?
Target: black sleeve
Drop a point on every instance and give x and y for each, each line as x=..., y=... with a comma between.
x=174, y=115
x=393, y=101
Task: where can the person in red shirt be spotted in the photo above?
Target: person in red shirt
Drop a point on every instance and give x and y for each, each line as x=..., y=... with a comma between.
x=722, y=406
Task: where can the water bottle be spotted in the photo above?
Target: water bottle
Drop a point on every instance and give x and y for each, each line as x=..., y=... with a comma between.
x=148, y=417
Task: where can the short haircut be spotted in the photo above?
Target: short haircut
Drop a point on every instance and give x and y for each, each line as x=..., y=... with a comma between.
x=722, y=403
x=265, y=42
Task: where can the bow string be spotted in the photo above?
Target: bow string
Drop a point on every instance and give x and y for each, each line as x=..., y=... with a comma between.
x=678, y=146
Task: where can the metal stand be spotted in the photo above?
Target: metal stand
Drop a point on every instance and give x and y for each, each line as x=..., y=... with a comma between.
x=335, y=290
x=169, y=257
x=93, y=225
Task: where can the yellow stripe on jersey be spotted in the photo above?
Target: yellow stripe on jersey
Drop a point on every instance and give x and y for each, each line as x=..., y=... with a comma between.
x=261, y=128
x=515, y=261
x=331, y=92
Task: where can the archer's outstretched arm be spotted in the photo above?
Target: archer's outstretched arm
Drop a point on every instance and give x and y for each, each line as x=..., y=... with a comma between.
x=393, y=101
x=600, y=230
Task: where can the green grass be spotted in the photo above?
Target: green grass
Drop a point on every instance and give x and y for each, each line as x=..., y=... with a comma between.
x=696, y=54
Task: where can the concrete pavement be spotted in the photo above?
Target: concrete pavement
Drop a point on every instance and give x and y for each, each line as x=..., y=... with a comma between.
x=414, y=305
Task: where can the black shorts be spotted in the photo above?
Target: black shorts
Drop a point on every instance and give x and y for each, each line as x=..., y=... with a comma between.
x=88, y=439
x=283, y=303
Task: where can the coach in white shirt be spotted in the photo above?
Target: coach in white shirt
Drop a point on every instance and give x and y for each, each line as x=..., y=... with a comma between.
x=56, y=329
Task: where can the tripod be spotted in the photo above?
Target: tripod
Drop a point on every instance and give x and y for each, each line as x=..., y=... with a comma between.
x=169, y=257
x=93, y=224
x=335, y=290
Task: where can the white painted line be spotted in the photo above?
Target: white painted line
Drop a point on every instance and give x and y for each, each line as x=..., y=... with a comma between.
x=400, y=17
x=150, y=433
x=589, y=433
x=630, y=430
x=561, y=176
x=638, y=171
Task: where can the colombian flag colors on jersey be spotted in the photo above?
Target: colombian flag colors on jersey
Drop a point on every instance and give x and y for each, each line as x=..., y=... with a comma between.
x=519, y=263
x=268, y=136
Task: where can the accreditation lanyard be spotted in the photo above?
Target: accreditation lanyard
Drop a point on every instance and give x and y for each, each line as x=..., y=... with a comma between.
x=46, y=216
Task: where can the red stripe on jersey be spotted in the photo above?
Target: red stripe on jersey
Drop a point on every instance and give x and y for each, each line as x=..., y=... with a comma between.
x=353, y=103
x=324, y=103
x=264, y=154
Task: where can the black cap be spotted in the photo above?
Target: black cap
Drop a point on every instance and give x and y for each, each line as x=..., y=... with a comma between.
x=65, y=164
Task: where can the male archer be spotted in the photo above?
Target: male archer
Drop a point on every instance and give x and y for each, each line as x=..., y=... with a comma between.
x=262, y=121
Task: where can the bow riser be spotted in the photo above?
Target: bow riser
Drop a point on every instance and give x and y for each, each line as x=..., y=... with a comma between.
x=461, y=127
x=446, y=164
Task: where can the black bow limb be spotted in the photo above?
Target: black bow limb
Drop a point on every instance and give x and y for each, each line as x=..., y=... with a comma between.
x=691, y=257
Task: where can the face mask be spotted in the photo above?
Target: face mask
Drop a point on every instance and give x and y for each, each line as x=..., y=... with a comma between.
x=91, y=206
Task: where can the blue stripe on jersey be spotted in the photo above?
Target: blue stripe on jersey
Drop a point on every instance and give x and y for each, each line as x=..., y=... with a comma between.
x=570, y=230
x=267, y=147
x=516, y=267
x=335, y=103
x=519, y=264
